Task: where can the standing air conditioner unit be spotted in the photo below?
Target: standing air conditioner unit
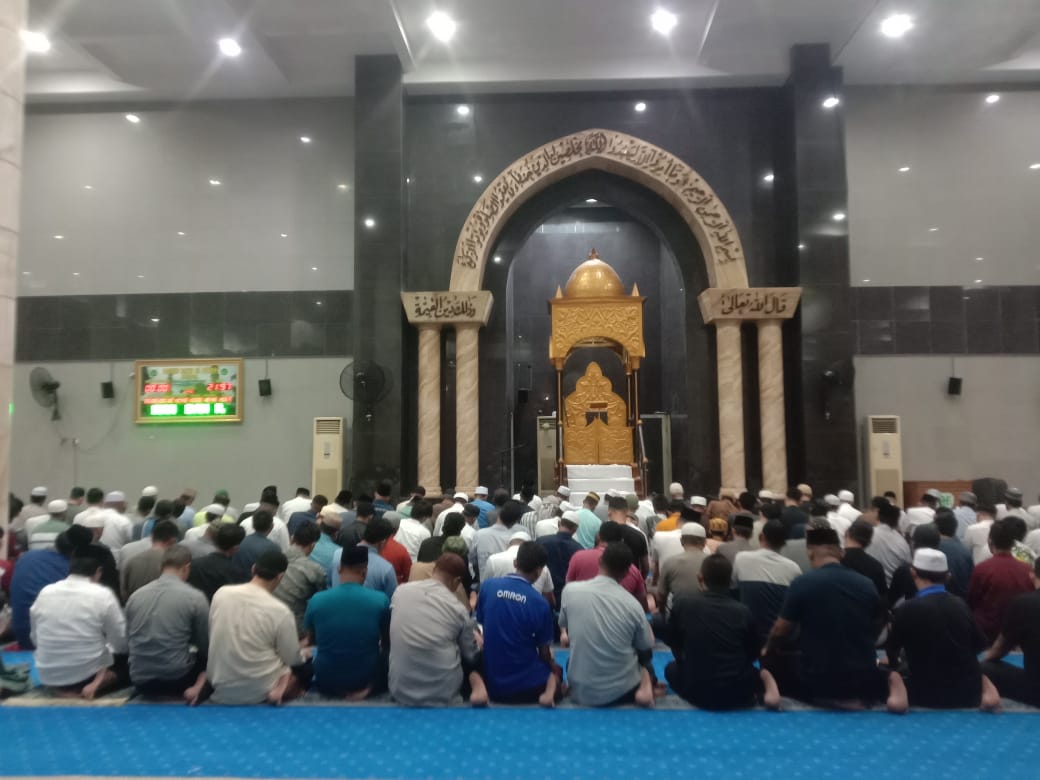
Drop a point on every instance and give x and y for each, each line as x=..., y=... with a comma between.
x=327, y=469
x=884, y=457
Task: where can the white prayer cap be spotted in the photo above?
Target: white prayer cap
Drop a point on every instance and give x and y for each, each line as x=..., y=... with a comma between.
x=831, y=500
x=766, y=495
x=115, y=497
x=57, y=507
x=520, y=533
x=150, y=491
x=480, y=491
x=252, y=506
x=847, y=496
x=567, y=506
x=564, y=491
x=570, y=516
x=614, y=493
x=693, y=529
x=460, y=496
x=675, y=490
x=927, y=559
x=215, y=509
x=39, y=492
x=91, y=519
x=698, y=501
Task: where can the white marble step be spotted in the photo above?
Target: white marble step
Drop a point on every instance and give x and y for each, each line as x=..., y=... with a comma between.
x=598, y=472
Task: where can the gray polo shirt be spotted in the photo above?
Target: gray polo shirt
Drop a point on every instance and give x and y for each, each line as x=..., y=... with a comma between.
x=487, y=542
x=889, y=548
x=165, y=619
x=302, y=580
x=606, y=627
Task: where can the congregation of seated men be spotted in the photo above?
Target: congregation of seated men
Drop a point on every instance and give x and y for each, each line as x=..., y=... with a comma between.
x=437, y=600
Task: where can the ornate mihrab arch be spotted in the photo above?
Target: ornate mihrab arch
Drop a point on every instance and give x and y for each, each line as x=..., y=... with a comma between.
x=726, y=303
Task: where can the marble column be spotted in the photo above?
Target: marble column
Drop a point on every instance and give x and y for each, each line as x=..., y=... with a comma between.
x=430, y=407
x=467, y=406
x=12, y=94
x=730, y=370
x=771, y=405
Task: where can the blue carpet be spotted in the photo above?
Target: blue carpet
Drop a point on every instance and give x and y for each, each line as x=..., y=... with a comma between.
x=511, y=743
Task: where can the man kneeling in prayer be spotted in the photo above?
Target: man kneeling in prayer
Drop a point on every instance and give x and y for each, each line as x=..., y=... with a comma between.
x=79, y=632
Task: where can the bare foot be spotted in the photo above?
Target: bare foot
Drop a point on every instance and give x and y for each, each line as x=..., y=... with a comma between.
x=548, y=697
x=478, y=696
x=898, y=700
x=990, y=696
x=771, y=697
x=359, y=695
x=101, y=680
x=278, y=691
x=645, y=691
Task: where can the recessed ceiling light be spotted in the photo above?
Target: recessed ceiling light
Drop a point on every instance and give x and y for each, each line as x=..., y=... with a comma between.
x=979, y=259
x=904, y=169
x=140, y=276
x=831, y=102
x=801, y=246
x=36, y=42
x=214, y=182
x=992, y=98
x=305, y=139
x=58, y=236
x=317, y=303
x=341, y=187
x=441, y=25
x=462, y=110
x=838, y=216
x=26, y=273
x=180, y=232
x=407, y=179
x=866, y=281
x=88, y=186
x=663, y=21
x=155, y=319
x=591, y=200
x=284, y=235
x=1035, y=167
x=897, y=25
x=75, y=273
x=978, y=281
x=640, y=106
x=370, y=222
x=768, y=177
x=229, y=47
x=314, y=268
x=933, y=230
x=498, y=258
x=477, y=178
x=133, y=119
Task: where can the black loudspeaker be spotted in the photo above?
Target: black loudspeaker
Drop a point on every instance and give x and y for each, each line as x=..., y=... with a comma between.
x=265, y=387
x=953, y=387
x=521, y=395
x=108, y=390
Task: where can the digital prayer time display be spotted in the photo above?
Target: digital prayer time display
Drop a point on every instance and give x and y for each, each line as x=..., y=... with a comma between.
x=186, y=391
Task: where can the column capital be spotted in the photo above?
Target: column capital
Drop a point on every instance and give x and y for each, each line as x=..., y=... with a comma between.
x=447, y=307
x=750, y=303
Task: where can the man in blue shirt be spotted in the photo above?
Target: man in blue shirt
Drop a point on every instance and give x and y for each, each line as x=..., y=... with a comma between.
x=329, y=522
x=381, y=575
x=480, y=501
x=349, y=627
x=560, y=547
x=309, y=515
x=32, y=573
x=518, y=629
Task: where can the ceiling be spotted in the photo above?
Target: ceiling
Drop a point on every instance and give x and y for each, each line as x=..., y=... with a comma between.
x=153, y=50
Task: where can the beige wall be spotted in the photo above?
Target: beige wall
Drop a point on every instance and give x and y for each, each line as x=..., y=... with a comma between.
x=990, y=430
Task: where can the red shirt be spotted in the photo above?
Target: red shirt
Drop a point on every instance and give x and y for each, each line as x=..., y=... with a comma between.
x=398, y=556
x=993, y=584
x=584, y=565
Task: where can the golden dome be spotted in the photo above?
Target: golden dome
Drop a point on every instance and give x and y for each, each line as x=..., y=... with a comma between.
x=593, y=279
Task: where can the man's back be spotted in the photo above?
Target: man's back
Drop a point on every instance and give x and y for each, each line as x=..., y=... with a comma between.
x=516, y=621
x=994, y=583
x=961, y=566
x=347, y=623
x=164, y=619
x=859, y=560
x=410, y=535
x=302, y=580
x=487, y=542
x=253, y=641
x=560, y=547
x=397, y=556
x=606, y=628
x=762, y=578
x=252, y=547
x=430, y=632
x=666, y=544
x=214, y=571
x=140, y=570
x=730, y=549
x=679, y=574
x=889, y=548
x=33, y=571
x=976, y=539
x=1022, y=628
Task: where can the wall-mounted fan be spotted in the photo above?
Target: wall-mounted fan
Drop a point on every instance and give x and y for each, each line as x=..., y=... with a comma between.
x=364, y=382
x=44, y=388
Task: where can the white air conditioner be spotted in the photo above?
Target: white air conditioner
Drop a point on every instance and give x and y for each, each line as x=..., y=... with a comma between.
x=883, y=454
x=327, y=468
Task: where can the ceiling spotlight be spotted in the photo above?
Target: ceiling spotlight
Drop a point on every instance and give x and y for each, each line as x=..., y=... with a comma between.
x=904, y=169
x=979, y=259
x=88, y=186
x=591, y=200
x=477, y=178
x=180, y=232
x=1035, y=167
x=26, y=273
x=214, y=182
x=768, y=178
x=314, y=268
x=59, y=237
x=838, y=216
x=75, y=273
x=441, y=25
x=133, y=119
x=341, y=187
x=317, y=303
x=229, y=47
x=305, y=139
x=462, y=110
x=831, y=102
x=284, y=235
x=369, y=222
x=140, y=276
x=155, y=319
x=663, y=21
x=866, y=281
x=897, y=25
x=801, y=246
x=640, y=106
x=978, y=281
x=36, y=42
x=498, y=258
x=933, y=230
x=993, y=98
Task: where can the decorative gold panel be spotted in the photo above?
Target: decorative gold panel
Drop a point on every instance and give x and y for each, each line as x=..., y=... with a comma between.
x=593, y=322
x=595, y=428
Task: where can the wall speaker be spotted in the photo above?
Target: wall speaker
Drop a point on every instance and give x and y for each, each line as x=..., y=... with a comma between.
x=265, y=387
x=953, y=387
x=108, y=390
